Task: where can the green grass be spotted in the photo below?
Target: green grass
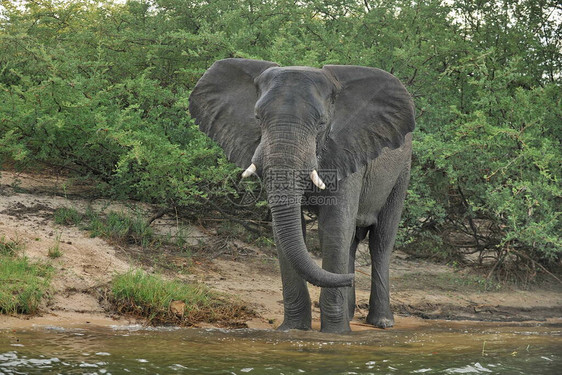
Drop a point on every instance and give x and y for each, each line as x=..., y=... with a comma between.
x=67, y=216
x=469, y=282
x=118, y=227
x=23, y=283
x=54, y=251
x=122, y=228
x=139, y=294
x=450, y=282
x=9, y=247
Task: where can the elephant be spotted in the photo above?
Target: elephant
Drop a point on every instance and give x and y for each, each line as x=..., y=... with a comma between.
x=297, y=127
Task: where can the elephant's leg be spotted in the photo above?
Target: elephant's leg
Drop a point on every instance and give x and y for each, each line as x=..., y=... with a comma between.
x=381, y=242
x=334, y=302
x=336, y=227
x=296, y=300
x=360, y=234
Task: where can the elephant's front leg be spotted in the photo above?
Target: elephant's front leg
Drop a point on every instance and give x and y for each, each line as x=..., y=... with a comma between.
x=336, y=226
x=296, y=299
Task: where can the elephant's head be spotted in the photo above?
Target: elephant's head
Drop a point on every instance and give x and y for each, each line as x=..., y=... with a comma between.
x=276, y=121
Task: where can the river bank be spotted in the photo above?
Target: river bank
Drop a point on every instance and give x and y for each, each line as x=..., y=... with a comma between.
x=420, y=290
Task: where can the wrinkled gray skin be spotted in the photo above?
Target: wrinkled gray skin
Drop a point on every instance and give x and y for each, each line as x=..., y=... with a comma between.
x=349, y=120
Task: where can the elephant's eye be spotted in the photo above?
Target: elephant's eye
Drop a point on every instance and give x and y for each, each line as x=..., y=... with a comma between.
x=257, y=116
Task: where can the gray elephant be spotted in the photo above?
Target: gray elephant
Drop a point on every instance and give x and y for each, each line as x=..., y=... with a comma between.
x=294, y=126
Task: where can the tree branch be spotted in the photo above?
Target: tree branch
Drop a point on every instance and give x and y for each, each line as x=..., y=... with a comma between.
x=536, y=263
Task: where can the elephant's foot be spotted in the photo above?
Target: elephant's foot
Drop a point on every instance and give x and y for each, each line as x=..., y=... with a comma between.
x=342, y=327
x=334, y=310
x=291, y=324
x=381, y=320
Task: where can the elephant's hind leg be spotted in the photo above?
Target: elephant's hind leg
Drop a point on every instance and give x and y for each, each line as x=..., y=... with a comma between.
x=360, y=234
x=381, y=242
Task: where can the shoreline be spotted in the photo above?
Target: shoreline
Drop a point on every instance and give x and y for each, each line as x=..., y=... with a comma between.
x=421, y=291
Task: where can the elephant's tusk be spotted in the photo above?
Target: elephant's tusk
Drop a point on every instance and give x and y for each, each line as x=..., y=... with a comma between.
x=250, y=171
x=317, y=180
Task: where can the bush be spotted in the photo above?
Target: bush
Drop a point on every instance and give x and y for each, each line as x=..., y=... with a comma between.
x=67, y=102
x=490, y=178
x=101, y=89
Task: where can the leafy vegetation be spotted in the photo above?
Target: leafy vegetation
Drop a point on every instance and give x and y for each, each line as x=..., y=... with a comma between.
x=101, y=88
x=23, y=284
x=161, y=301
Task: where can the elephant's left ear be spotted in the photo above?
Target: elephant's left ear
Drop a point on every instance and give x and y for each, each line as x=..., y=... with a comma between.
x=373, y=110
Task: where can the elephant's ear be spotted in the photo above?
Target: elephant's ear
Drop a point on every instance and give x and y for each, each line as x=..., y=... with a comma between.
x=373, y=110
x=222, y=104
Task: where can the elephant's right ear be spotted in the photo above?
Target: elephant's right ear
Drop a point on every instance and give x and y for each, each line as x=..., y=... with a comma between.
x=222, y=104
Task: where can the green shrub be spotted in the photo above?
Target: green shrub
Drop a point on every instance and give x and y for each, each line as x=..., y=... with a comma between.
x=102, y=90
x=492, y=176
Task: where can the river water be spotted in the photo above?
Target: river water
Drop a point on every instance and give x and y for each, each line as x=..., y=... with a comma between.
x=440, y=348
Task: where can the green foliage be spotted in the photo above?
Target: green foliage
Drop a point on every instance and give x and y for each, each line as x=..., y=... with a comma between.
x=101, y=89
x=23, y=284
x=94, y=89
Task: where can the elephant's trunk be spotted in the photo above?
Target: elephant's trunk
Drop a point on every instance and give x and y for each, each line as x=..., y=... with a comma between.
x=286, y=213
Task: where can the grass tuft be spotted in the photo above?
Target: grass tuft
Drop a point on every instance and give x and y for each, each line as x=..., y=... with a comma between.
x=172, y=302
x=67, y=216
x=23, y=284
x=115, y=226
x=122, y=229
x=9, y=247
x=54, y=251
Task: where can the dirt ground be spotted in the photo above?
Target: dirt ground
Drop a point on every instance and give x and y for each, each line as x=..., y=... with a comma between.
x=420, y=290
